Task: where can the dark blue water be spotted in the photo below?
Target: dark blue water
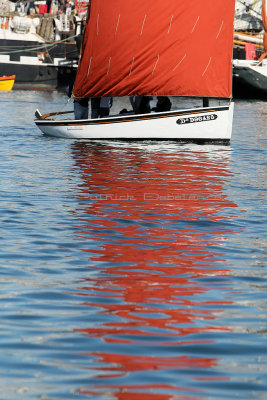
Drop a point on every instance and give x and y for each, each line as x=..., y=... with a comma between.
x=131, y=271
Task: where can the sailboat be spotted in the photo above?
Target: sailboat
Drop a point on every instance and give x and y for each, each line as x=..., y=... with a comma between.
x=154, y=48
x=250, y=53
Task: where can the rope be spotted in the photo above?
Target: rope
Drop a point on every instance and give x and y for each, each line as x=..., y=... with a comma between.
x=60, y=111
x=44, y=46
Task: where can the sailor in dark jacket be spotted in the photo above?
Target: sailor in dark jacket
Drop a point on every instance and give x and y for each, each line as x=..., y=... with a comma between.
x=163, y=104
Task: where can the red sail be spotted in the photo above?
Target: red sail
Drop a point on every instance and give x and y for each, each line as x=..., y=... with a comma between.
x=156, y=47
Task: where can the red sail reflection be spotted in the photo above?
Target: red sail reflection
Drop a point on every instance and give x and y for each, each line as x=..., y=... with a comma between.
x=157, y=219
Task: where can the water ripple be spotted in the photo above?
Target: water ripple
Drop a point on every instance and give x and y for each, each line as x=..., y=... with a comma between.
x=132, y=270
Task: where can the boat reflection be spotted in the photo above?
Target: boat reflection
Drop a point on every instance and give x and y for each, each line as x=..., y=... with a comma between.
x=153, y=222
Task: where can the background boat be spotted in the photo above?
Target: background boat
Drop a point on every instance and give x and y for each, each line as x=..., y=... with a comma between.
x=249, y=61
x=7, y=82
x=40, y=48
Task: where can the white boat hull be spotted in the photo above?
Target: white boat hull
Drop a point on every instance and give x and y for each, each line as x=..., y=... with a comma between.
x=198, y=124
x=250, y=78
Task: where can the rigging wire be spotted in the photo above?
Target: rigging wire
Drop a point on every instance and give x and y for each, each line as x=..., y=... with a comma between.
x=249, y=8
x=44, y=46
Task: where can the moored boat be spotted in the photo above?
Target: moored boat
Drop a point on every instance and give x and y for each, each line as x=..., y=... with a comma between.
x=250, y=51
x=250, y=79
x=40, y=49
x=7, y=82
x=148, y=49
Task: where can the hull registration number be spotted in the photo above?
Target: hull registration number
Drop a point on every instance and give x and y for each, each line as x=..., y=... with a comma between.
x=200, y=118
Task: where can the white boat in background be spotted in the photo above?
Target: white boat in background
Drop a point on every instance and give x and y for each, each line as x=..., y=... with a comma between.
x=250, y=51
x=250, y=78
x=41, y=50
x=149, y=48
x=248, y=16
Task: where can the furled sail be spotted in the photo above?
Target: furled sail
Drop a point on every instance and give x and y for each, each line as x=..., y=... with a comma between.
x=156, y=47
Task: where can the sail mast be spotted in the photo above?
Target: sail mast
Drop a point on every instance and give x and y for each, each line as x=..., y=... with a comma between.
x=264, y=21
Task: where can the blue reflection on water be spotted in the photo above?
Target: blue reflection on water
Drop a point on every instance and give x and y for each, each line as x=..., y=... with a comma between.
x=131, y=270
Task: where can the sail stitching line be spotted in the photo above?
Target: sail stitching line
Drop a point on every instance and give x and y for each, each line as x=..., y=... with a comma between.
x=207, y=67
x=170, y=24
x=97, y=24
x=89, y=66
x=220, y=30
x=108, y=65
x=195, y=24
x=141, y=32
x=131, y=66
x=218, y=34
x=116, y=30
x=155, y=65
x=177, y=65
